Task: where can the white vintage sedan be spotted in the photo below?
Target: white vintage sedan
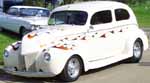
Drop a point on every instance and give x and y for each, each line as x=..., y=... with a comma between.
x=22, y=19
x=80, y=37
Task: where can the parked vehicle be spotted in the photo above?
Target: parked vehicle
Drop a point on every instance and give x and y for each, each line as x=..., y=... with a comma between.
x=80, y=37
x=1, y=6
x=22, y=19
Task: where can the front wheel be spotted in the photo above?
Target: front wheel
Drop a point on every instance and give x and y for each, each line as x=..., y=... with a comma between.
x=23, y=31
x=1, y=29
x=137, y=51
x=72, y=69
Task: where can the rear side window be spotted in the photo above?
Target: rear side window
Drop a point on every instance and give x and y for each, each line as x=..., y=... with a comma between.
x=101, y=17
x=13, y=11
x=121, y=14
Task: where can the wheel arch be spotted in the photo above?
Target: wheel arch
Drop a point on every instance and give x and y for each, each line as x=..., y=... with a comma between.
x=82, y=61
x=144, y=42
x=21, y=27
x=130, y=42
x=140, y=40
x=23, y=30
x=140, y=36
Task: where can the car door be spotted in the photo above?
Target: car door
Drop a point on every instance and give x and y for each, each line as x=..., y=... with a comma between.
x=123, y=24
x=103, y=41
x=11, y=20
x=15, y=23
x=3, y=17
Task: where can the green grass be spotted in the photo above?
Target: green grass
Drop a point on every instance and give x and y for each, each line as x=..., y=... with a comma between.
x=6, y=38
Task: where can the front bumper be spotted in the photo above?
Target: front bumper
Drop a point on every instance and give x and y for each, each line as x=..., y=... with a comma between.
x=28, y=73
x=33, y=64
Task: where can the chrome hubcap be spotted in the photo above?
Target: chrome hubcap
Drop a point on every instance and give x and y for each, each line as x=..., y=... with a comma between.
x=73, y=67
x=137, y=50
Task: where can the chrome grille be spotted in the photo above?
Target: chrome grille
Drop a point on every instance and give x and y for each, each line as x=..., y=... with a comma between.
x=21, y=63
x=30, y=62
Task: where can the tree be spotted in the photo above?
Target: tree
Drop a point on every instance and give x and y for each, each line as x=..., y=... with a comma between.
x=42, y=2
x=68, y=1
x=34, y=2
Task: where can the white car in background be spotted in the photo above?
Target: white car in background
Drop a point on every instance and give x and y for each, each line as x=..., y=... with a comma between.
x=81, y=37
x=22, y=19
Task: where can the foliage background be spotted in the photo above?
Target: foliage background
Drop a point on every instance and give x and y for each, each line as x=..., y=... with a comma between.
x=63, y=2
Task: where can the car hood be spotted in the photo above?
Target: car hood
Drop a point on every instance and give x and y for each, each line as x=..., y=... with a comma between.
x=36, y=20
x=59, y=30
x=51, y=36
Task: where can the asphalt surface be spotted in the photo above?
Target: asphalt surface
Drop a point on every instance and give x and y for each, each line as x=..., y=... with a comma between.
x=120, y=72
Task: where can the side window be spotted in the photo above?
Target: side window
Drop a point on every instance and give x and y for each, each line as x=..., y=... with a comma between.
x=121, y=14
x=13, y=11
x=101, y=17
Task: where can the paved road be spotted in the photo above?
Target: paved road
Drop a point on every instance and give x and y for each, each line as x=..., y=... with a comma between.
x=117, y=73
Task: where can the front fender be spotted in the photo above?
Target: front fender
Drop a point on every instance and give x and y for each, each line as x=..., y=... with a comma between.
x=12, y=60
x=57, y=62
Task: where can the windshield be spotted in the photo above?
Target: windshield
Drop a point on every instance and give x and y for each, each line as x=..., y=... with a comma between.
x=68, y=17
x=34, y=12
x=29, y=12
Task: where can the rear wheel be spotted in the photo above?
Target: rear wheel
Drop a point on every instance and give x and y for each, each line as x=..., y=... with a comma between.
x=72, y=69
x=137, y=51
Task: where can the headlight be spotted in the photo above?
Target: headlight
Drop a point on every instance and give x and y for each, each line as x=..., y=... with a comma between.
x=35, y=27
x=47, y=56
x=6, y=53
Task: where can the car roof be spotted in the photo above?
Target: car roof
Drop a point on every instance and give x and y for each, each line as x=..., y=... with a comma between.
x=29, y=7
x=90, y=5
